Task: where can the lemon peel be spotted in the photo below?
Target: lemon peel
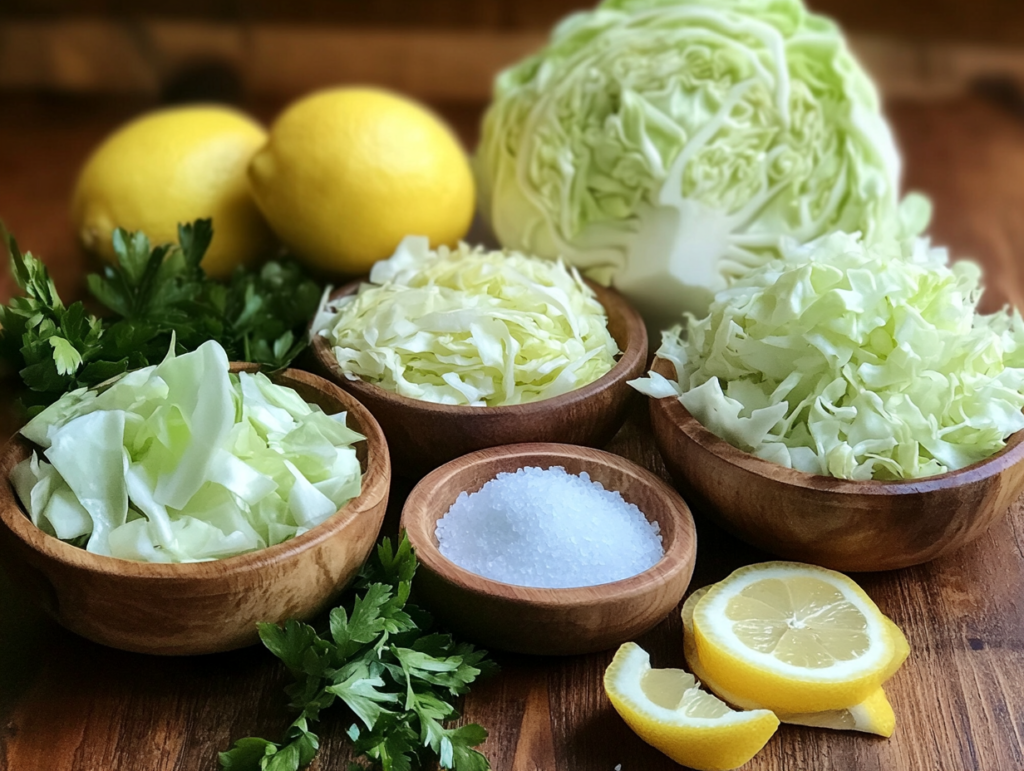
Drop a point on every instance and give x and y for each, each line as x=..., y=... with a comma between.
x=668, y=710
x=347, y=173
x=795, y=638
x=874, y=715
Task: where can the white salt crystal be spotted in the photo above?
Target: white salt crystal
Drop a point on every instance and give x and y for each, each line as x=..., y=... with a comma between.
x=546, y=528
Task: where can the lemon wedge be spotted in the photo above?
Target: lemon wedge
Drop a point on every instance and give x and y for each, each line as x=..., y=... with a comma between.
x=668, y=710
x=874, y=715
x=794, y=638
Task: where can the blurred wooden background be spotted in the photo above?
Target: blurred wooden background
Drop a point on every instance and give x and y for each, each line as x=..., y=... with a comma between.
x=443, y=50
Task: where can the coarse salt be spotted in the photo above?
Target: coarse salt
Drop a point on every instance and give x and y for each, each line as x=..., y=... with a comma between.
x=547, y=528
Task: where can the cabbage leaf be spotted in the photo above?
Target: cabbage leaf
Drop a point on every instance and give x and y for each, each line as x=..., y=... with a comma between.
x=853, y=360
x=183, y=461
x=666, y=146
x=470, y=327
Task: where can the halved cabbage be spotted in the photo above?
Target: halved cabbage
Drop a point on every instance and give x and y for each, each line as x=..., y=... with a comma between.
x=183, y=462
x=852, y=360
x=667, y=145
x=465, y=326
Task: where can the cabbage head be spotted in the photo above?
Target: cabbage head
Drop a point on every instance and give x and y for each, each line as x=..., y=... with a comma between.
x=665, y=146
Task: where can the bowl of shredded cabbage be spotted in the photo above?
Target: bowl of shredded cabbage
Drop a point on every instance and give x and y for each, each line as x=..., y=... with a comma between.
x=456, y=350
x=171, y=510
x=846, y=405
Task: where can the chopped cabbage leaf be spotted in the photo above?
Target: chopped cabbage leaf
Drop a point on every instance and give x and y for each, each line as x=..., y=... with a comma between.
x=470, y=327
x=855, y=360
x=183, y=461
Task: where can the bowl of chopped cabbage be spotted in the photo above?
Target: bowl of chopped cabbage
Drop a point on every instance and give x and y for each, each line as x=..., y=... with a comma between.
x=460, y=404
x=191, y=602
x=841, y=524
x=847, y=405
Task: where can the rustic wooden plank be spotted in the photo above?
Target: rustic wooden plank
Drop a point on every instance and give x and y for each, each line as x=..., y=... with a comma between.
x=67, y=703
x=982, y=21
x=439, y=63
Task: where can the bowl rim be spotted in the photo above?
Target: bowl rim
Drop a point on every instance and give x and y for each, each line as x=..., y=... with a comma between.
x=376, y=483
x=680, y=554
x=634, y=355
x=682, y=420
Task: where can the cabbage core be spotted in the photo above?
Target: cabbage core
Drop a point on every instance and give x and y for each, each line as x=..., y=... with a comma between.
x=667, y=145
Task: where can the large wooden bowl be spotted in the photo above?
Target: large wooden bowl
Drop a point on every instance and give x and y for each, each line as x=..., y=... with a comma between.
x=423, y=435
x=837, y=523
x=549, y=621
x=201, y=607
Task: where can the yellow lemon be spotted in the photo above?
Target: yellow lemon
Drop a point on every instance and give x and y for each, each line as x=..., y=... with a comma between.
x=795, y=638
x=874, y=715
x=668, y=710
x=173, y=166
x=348, y=173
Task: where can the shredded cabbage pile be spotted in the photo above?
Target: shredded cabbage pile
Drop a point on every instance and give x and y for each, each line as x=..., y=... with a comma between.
x=470, y=327
x=667, y=146
x=183, y=462
x=855, y=361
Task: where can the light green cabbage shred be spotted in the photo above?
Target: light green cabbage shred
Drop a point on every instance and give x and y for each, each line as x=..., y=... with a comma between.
x=470, y=327
x=184, y=462
x=668, y=145
x=854, y=361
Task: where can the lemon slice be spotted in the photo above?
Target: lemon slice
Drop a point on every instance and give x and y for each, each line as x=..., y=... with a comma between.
x=874, y=715
x=668, y=710
x=795, y=638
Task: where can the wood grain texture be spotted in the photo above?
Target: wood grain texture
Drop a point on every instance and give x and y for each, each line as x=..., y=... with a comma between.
x=836, y=523
x=999, y=21
x=69, y=704
x=423, y=435
x=201, y=607
x=549, y=621
x=197, y=59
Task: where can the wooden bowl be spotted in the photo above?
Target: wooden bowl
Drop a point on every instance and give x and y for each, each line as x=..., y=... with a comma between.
x=201, y=607
x=423, y=435
x=840, y=524
x=549, y=621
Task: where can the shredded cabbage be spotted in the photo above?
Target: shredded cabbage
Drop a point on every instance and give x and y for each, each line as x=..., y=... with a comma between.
x=184, y=462
x=854, y=361
x=470, y=327
x=667, y=145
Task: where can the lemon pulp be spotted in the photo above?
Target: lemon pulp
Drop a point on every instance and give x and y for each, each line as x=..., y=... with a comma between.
x=873, y=715
x=668, y=710
x=794, y=638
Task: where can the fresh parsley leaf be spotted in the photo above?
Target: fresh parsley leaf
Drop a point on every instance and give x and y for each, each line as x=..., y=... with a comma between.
x=289, y=643
x=361, y=691
x=155, y=294
x=66, y=357
x=247, y=754
x=252, y=754
x=397, y=679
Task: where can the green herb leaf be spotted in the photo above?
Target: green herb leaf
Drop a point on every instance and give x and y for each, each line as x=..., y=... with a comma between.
x=247, y=755
x=396, y=678
x=289, y=643
x=156, y=294
x=65, y=355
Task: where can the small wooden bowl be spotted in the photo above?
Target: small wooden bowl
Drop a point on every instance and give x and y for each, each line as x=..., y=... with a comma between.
x=423, y=435
x=201, y=607
x=549, y=621
x=837, y=523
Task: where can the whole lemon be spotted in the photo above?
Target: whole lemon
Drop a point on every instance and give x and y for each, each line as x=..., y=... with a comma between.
x=348, y=172
x=173, y=166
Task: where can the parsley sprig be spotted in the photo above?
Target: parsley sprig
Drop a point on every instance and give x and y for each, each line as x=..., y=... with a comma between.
x=155, y=294
x=397, y=680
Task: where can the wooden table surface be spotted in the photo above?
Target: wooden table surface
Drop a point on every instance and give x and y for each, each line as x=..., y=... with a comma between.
x=68, y=704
